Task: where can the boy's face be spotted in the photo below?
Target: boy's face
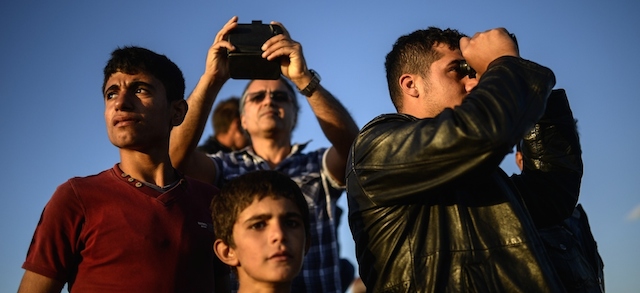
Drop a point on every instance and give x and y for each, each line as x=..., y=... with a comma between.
x=137, y=112
x=270, y=242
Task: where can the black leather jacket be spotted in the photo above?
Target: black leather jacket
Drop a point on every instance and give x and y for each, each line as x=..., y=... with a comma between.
x=431, y=211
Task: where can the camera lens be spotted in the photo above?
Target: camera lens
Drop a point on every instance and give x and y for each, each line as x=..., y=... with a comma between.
x=465, y=69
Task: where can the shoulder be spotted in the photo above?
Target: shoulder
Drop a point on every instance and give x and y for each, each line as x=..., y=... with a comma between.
x=385, y=121
x=234, y=163
x=70, y=198
x=100, y=181
x=233, y=157
x=383, y=126
x=300, y=149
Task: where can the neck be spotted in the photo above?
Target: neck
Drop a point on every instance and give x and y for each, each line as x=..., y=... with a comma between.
x=416, y=107
x=154, y=169
x=272, y=151
x=225, y=139
x=265, y=288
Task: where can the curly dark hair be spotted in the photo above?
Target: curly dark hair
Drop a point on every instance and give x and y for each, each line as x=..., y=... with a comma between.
x=414, y=53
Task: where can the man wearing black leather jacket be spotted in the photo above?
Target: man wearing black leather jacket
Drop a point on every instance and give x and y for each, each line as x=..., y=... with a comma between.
x=429, y=207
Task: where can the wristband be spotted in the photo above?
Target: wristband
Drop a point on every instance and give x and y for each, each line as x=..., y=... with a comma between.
x=313, y=84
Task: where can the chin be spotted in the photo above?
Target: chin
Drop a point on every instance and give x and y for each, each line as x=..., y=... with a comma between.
x=284, y=279
x=129, y=145
x=284, y=274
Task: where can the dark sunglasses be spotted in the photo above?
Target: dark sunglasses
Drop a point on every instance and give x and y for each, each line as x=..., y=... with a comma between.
x=276, y=96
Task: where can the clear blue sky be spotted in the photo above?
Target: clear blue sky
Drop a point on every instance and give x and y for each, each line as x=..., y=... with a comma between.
x=52, y=54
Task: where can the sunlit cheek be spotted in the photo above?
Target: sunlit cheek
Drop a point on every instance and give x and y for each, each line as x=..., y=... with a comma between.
x=251, y=115
x=107, y=117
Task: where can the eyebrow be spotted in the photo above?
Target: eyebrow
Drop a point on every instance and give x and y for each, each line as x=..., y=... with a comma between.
x=264, y=91
x=455, y=62
x=262, y=217
x=133, y=84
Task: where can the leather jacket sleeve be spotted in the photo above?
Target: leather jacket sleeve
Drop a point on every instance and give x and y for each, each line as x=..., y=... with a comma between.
x=550, y=180
x=422, y=154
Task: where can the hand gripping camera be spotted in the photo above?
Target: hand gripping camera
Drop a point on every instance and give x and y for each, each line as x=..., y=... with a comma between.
x=246, y=62
x=465, y=69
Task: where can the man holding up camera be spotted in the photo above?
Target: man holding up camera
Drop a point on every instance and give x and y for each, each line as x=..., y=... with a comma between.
x=269, y=111
x=429, y=207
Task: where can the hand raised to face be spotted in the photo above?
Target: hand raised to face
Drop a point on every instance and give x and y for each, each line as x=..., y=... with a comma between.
x=484, y=47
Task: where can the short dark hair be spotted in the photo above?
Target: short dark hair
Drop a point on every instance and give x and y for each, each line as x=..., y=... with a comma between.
x=134, y=60
x=414, y=53
x=240, y=192
x=224, y=114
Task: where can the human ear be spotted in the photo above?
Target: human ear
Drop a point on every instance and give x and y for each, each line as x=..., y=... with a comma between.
x=519, y=160
x=408, y=85
x=179, y=109
x=243, y=122
x=225, y=253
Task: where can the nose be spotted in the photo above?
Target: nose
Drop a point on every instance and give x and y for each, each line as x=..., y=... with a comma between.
x=124, y=101
x=268, y=98
x=470, y=83
x=277, y=232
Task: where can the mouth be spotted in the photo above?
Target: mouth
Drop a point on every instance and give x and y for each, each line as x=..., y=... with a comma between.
x=124, y=120
x=280, y=256
x=270, y=112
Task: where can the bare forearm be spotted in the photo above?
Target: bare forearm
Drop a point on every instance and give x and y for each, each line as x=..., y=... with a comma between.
x=339, y=128
x=335, y=121
x=32, y=282
x=185, y=137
